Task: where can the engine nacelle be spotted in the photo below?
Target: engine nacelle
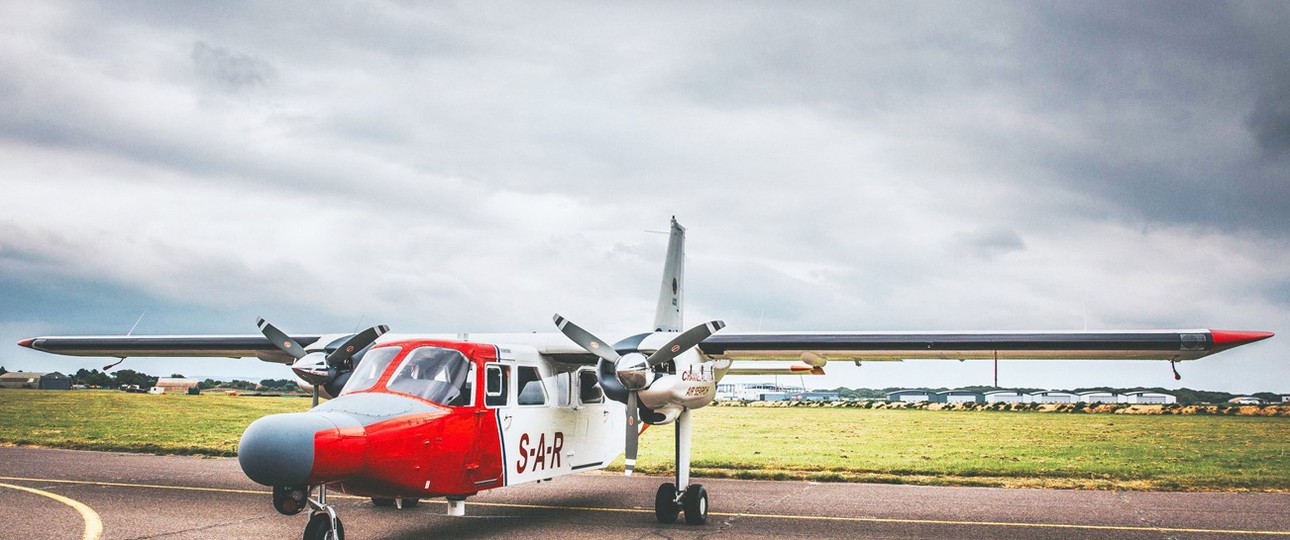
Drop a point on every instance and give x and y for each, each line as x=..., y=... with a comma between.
x=688, y=389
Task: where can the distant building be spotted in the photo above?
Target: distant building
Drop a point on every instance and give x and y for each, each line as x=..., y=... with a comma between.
x=817, y=395
x=1144, y=397
x=1245, y=400
x=1004, y=396
x=174, y=385
x=31, y=379
x=1285, y=399
x=1099, y=396
x=915, y=396
x=1052, y=396
x=756, y=391
x=962, y=396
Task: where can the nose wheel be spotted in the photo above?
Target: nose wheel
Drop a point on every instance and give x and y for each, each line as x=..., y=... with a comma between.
x=323, y=524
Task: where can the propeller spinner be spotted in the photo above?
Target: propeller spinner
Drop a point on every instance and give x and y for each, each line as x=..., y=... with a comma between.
x=633, y=371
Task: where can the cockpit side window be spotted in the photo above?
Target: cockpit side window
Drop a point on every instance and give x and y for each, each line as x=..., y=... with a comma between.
x=497, y=387
x=370, y=368
x=437, y=374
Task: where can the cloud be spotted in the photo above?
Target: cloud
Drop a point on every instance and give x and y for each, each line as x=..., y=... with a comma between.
x=229, y=71
x=839, y=166
x=1269, y=123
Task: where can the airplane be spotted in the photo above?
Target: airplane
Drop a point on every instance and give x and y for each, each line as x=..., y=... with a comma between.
x=415, y=416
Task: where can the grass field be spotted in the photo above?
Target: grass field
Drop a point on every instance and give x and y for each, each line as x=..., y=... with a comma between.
x=1093, y=451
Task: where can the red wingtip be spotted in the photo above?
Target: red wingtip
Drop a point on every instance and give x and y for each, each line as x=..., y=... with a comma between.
x=1233, y=338
x=27, y=342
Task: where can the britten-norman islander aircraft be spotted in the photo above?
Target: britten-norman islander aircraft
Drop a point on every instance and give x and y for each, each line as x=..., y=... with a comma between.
x=419, y=416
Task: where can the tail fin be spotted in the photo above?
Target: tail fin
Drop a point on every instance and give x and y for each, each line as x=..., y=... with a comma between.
x=671, y=293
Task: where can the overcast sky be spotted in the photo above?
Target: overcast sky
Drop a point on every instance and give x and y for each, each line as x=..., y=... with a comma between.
x=478, y=167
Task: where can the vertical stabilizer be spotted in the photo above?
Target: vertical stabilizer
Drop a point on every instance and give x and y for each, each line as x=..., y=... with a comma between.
x=671, y=293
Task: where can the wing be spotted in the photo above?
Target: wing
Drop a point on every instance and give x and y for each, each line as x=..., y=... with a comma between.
x=814, y=349
x=238, y=346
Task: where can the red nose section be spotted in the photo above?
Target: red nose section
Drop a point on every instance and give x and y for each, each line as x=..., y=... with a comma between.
x=27, y=342
x=1234, y=338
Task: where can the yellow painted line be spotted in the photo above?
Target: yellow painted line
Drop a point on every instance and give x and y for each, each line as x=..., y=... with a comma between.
x=93, y=525
x=908, y=521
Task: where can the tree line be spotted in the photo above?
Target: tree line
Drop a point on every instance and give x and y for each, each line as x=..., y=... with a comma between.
x=124, y=377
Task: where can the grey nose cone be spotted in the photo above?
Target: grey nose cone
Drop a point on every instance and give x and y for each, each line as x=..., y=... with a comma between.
x=278, y=450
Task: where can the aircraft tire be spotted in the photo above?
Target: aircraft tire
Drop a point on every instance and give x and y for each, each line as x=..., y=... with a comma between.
x=319, y=528
x=665, y=507
x=405, y=503
x=381, y=501
x=696, y=505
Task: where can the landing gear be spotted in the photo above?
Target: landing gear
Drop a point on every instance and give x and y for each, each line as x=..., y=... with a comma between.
x=695, y=503
x=670, y=501
x=399, y=502
x=665, y=507
x=324, y=524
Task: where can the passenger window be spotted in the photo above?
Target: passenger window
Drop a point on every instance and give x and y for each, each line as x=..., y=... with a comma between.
x=497, y=387
x=530, y=385
x=589, y=387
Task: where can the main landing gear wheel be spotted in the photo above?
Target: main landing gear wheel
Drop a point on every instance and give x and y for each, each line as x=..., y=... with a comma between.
x=319, y=528
x=695, y=504
x=665, y=507
x=402, y=503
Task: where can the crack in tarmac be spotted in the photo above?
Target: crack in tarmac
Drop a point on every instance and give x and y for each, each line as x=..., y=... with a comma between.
x=729, y=522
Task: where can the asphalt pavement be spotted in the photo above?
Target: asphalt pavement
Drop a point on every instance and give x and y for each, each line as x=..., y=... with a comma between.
x=60, y=494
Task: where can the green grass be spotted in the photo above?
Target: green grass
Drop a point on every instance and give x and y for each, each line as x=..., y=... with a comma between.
x=208, y=424
x=1017, y=449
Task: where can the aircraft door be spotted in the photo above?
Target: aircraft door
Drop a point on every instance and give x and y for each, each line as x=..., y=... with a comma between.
x=492, y=419
x=596, y=440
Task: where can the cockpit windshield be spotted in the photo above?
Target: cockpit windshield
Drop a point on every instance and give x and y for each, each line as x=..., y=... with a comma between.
x=437, y=374
x=370, y=368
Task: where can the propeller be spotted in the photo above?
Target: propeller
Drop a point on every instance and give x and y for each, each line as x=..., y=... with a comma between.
x=315, y=368
x=633, y=371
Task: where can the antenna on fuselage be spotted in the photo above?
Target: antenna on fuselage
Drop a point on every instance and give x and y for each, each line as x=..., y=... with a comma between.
x=671, y=292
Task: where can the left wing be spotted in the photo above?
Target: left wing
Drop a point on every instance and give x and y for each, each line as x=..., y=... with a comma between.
x=233, y=346
x=814, y=349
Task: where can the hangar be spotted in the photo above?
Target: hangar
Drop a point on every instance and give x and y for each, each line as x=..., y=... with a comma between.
x=1004, y=396
x=175, y=385
x=1146, y=397
x=1099, y=396
x=962, y=396
x=915, y=396
x=1052, y=396
x=31, y=379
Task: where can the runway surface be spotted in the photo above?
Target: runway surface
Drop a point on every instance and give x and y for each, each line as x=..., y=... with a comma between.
x=60, y=494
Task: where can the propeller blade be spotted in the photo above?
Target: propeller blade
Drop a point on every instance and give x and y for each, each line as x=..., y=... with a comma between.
x=356, y=343
x=280, y=339
x=633, y=434
x=684, y=342
x=584, y=339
